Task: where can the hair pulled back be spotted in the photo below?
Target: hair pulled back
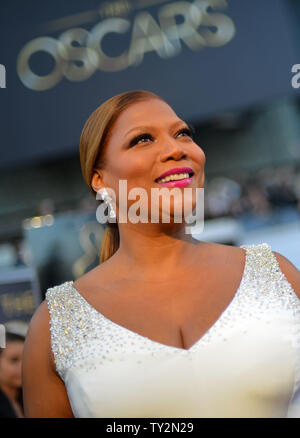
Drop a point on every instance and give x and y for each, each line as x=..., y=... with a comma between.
x=92, y=141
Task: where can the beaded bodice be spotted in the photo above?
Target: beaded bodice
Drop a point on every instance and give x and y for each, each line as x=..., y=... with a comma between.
x=260, y=324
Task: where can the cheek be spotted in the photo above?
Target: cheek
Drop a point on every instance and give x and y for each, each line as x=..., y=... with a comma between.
x=199, y=156
x=15, y=371
x=133, y=170
x=6, y=370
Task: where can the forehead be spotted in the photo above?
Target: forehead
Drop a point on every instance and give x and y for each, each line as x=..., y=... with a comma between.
x=151, y=112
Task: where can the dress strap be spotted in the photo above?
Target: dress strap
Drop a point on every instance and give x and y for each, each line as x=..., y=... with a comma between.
x=270, y=285
x=60, y=305
x=75, y=327
x=264, y=268
x=266, y=283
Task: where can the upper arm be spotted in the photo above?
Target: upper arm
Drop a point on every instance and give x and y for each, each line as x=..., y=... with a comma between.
x=44, y=393
x=290, y=271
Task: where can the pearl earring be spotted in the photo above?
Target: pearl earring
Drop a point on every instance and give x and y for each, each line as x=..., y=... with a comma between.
x=108, y=201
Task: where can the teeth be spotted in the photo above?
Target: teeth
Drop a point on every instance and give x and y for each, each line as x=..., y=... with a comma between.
x=173, y=177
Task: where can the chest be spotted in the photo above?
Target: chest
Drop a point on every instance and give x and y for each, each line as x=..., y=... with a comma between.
x=176, y=312
x=245, y=375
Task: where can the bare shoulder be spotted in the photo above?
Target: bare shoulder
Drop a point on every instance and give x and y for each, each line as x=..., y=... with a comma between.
x=226, y=252
x=38, y=331
x=290, y=271
x=44, y=393
x=37, y=342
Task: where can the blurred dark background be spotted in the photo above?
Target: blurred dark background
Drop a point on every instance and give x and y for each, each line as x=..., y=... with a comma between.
x=227, y=67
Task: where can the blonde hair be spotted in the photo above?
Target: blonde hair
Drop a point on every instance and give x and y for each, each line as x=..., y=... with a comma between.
x=92, y=142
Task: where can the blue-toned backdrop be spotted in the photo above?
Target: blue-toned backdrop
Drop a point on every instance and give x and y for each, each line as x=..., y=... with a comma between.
x=63, y=59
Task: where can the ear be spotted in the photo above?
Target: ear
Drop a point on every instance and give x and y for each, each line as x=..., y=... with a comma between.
x=97, y=180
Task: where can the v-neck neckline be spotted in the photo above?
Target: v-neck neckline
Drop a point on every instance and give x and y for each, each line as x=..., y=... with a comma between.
x=162, y=345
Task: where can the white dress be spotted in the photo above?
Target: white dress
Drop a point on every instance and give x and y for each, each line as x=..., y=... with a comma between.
x=246, y=365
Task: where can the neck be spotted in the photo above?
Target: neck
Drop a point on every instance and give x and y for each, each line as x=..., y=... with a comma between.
x=153, y=248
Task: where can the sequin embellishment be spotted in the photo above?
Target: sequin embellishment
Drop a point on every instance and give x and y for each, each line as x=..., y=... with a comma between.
x=79, y=332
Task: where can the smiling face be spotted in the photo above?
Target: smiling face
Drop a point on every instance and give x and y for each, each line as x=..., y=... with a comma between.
x=146, y=140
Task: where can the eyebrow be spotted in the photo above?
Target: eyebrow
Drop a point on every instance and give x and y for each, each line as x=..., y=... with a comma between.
x=147, y=128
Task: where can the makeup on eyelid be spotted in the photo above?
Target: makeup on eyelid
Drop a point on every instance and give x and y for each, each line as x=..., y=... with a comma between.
x=136, y=139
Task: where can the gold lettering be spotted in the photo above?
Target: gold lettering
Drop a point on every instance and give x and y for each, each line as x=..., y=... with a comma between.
x=77, y=53
x=112, y=25
x=113, y=9
x=185, y=31
x=31, y=79
x=86, y=57
x=225, y=28
x=13, y=303
x=147, y=36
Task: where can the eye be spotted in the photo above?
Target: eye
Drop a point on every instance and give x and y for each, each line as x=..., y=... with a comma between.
x=140, y=139
x=185, y=132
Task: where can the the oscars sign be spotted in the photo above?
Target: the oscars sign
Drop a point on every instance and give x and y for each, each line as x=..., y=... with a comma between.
x=78, y=53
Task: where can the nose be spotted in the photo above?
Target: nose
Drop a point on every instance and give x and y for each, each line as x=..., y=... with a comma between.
x=172, y=149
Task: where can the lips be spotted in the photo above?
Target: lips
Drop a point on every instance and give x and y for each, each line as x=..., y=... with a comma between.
x=179, y=183
x=176, y=170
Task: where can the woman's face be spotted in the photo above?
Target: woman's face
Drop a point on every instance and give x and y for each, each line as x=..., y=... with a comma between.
x=11, y=364
x=146, y=140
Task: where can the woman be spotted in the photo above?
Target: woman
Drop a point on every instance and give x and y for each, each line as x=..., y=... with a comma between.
x=11, y=403
x=166, y=325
